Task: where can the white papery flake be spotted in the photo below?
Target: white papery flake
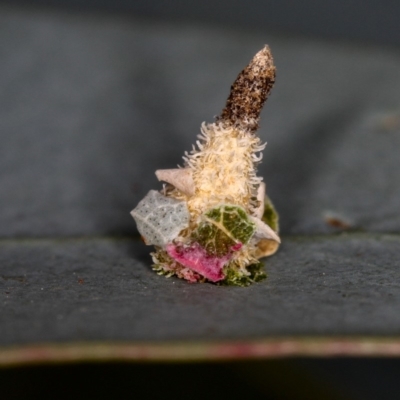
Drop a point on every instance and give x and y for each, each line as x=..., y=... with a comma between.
x=160, y=219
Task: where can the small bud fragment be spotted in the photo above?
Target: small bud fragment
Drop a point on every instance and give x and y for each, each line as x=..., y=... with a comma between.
x=214, y=220
x=249, y=92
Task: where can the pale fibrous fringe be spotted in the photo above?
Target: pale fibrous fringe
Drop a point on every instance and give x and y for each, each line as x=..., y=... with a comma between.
x=224, y=172
x=224, y=168
x=243, y=258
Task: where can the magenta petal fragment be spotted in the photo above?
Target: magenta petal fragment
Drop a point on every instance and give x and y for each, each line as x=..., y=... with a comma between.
x=196, y=258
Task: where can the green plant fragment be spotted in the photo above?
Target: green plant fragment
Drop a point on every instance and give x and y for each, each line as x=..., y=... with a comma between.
x=237, y=277
x=214, y=240
x=270, y=216
x=234, y=220
x=223, y=227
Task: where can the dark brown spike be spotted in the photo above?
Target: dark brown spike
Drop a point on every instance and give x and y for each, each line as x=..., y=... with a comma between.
x=249, y=92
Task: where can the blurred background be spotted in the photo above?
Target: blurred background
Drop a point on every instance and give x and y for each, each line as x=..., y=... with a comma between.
x=95, y=95
x=368, y=21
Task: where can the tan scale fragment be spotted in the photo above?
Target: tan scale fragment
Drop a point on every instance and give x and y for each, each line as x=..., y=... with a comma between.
x=263, y=231
x=181, y=178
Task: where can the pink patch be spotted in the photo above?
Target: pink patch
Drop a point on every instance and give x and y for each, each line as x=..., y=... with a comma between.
x=196, y=258
x=236, y=247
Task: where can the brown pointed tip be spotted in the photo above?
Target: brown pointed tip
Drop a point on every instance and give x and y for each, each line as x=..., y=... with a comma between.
x=263, y=60
x=249, y=92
